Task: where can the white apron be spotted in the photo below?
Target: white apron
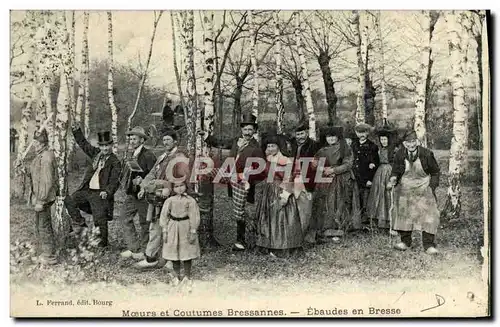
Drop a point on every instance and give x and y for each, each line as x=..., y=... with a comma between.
x=415, y=207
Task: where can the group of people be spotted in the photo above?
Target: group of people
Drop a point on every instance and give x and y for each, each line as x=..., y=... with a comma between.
x=367, y=186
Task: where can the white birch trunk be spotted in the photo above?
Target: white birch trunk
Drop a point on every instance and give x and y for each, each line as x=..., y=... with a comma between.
x=71, y=62
x=111, y=97
x=280, y=110
x=61, y=150
x=255, y=67
x=382, y=69
x=83, y=72
x=86, y=83
x=361, y=53
x=457, y=56
x=305, y=77
x=209, y=72
x=420, y=102
x=187, y=35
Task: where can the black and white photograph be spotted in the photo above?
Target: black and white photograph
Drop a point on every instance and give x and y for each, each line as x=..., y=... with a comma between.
x=250, y=163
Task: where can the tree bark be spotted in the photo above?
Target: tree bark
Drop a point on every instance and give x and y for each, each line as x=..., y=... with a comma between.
x=84, y=72
x=299, y=90
x=429, y=20
x=456, y=45
x=331, y=97
x=280, y=110
x=305, y=77
x=86, y=83
x=111, y=97
x=187, y=35
x=360, y=103
x=383, y=91
x=238, y=92
x=255, y=67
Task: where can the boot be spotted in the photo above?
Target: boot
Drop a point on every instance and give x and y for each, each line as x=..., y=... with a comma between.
x=240, y=236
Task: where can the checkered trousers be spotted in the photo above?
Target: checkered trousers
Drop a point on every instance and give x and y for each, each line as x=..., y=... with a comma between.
x=239, y=194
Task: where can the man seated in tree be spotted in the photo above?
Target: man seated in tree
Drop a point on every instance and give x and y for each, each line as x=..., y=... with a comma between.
x=44, y=187
x=156, y=187
x=95, y=194
x=240, y=190
x=415, y=173
x=134, y=171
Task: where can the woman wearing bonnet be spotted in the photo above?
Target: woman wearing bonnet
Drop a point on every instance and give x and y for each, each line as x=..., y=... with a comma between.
x=336, y=206
x=278, y=223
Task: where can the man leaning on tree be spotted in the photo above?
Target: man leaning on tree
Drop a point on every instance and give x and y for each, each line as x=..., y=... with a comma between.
x=44, y=189
x=95, y=195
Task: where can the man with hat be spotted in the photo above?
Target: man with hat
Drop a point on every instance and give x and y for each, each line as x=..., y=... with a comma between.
x=134, y=171
x=415, y=173
x=156, y=187
x=96, y=192
x=240, y=190
x=366, y=161
x=303, y=151
x=44, y=187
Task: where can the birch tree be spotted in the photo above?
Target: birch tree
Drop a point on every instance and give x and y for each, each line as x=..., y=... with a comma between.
x=63, y=110
x=360, y=53
x=84, y=73
x=29, y=89
x=206, y=187
x=456, y=42
x=156, y=20
x=255, y=67
x=305, y=77
x=378, y=27
x=189, y=73
x=428, y=22
x=86, y=82
x=280, y=110
x=29, y=97
x=111, y=97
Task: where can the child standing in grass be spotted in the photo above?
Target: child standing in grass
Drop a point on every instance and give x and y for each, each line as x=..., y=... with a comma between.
x=179, y=219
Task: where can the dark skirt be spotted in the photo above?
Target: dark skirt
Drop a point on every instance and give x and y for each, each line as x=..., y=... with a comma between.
x=379, y=201
x=278, y=227
x=336, y=206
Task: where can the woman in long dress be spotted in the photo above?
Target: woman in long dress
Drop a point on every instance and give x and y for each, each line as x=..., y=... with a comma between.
x=336, y=206
x=278, y=223
x=379, y=201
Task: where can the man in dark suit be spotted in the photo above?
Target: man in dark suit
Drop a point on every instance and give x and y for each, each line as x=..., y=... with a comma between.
x=134, y=171
x=303, y=150
x=240, y=190
x=366, y=162
x=95, y=194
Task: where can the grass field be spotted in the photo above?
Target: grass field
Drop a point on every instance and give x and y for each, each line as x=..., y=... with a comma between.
x=362, y=263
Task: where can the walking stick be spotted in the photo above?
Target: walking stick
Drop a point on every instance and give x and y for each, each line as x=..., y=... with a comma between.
x=390, y=215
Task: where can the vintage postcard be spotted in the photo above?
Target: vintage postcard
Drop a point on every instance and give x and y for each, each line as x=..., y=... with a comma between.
x=249, y=164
